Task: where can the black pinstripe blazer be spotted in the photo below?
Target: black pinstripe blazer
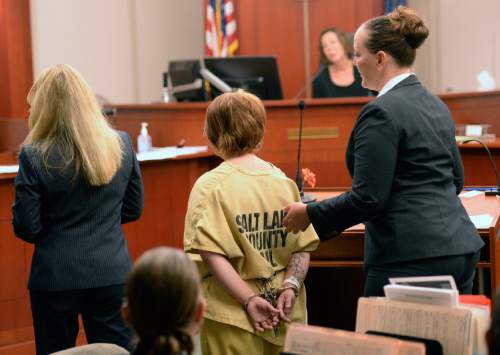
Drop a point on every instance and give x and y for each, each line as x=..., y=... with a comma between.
x=406, y=173
x=76, y=228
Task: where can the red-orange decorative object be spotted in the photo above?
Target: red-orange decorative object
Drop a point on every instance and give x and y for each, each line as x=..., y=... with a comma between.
x=309, y=177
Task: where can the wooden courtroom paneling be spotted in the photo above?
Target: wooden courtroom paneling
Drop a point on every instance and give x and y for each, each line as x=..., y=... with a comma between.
x=274, y=28
x=16, y=333
x=475, y=108
x=166, y=127
x=171, y=123
x=478, y=170
x=12, y=133
x=167, y=186
x=277, y=28
x=16, y=69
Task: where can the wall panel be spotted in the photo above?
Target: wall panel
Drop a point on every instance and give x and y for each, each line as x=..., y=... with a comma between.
x=277, y=28
x=15, y=57
x=274, y=28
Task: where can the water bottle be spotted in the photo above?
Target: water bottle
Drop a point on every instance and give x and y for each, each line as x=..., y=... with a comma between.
x=144, y=139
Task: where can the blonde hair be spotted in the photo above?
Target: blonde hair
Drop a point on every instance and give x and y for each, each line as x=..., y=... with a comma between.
x=65, y=114
x=235, y=123
x=163, y=290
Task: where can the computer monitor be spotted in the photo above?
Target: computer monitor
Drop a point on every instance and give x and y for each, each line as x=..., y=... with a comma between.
x=258, y=75
x=183, y=72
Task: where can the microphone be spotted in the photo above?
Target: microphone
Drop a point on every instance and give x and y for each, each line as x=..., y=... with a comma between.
x=465, y=140
x=109, y=111
x=213, y=79
x=301, y=91
x=298, y=176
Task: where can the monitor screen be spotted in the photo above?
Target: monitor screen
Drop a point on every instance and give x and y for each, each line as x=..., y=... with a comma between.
x=258, y=75
x=183, y=72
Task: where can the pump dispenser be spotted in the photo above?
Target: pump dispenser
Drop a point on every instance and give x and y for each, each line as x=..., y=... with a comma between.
x=144, y=139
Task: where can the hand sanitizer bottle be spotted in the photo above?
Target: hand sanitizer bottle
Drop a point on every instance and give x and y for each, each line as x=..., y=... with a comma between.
x=144, y=139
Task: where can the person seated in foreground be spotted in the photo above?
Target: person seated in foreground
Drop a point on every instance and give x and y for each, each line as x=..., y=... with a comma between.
x=164, y=305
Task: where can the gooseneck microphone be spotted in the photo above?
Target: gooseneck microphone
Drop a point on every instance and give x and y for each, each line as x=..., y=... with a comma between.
x=298, y=176
x=109, y=111
x=492, y=162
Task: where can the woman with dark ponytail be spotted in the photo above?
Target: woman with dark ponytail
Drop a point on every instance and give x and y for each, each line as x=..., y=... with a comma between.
x=405, y=166
x=164, y=304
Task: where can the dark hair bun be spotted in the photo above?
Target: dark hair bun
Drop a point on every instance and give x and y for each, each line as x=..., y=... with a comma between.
x=410, y=26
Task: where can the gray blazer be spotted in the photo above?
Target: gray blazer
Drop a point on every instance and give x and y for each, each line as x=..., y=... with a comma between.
x=76, y=228
x=406, y=174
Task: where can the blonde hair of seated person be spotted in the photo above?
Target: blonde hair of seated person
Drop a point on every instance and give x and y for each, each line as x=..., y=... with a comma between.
x=164, y=303
x=65, y=115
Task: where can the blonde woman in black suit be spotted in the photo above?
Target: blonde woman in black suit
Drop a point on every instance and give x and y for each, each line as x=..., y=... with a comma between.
x=405, y=166
x=78, y=181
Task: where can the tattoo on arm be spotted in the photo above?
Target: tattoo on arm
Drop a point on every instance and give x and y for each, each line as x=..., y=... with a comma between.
x=298, y=265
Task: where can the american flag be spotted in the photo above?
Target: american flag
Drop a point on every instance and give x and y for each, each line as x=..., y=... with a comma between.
x=220, y=31
x=390, y=5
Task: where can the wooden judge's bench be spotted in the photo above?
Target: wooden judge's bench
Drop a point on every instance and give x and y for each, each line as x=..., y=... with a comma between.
x=335, y=278
x=327, y=124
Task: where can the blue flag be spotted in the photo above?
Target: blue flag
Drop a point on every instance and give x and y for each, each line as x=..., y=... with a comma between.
x=390, y=5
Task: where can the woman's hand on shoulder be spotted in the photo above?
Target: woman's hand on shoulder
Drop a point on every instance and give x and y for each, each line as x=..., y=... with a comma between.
x=296, y=218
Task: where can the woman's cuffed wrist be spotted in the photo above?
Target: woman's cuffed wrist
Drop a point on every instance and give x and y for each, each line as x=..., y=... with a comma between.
x=248, y=299
x=288, y=287
x=292, y=280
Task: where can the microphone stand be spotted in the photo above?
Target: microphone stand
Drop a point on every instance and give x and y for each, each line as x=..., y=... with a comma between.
x=305, y=198
x=492, y=162
x=217, y=82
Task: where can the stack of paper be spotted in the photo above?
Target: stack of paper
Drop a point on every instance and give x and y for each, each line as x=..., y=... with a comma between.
x=481, y=319
x=482, y=220
x=310, y=340
x=6, y=169
x=427, y=295
x=452, y=327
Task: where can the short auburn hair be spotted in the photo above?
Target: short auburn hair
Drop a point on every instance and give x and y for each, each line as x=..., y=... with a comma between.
x=235, y=123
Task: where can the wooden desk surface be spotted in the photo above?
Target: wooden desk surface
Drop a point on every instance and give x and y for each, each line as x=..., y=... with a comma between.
x=327, y=124
x=346, y=250
x=480, y=204
x=492, y=143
